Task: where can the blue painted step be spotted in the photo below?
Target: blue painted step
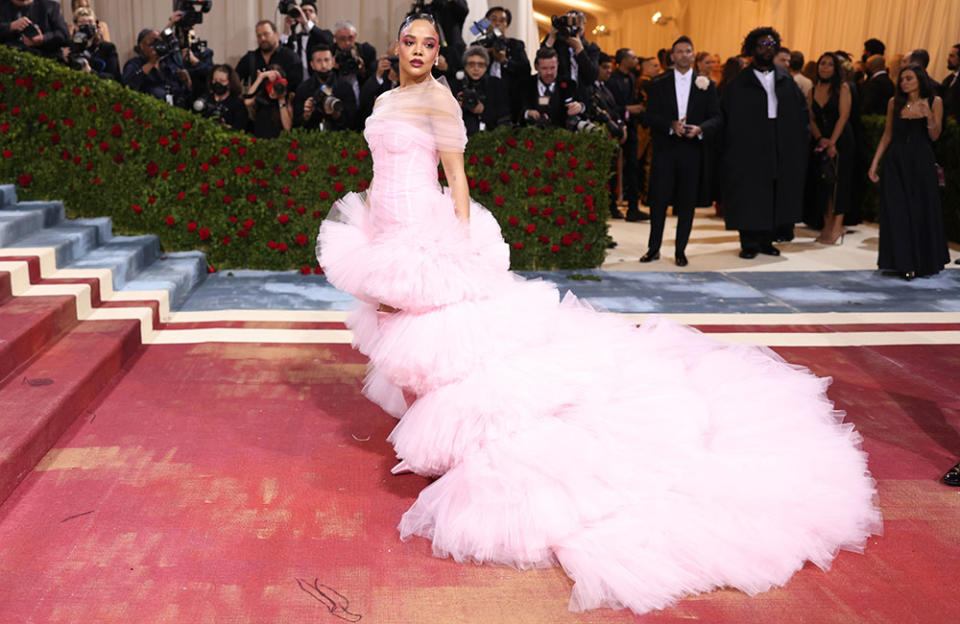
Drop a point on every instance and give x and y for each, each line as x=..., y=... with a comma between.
x=125, y=256
x=178, y=273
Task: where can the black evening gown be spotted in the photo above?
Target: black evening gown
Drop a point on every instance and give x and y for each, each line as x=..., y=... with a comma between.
x=911, y=224
x=819, y=192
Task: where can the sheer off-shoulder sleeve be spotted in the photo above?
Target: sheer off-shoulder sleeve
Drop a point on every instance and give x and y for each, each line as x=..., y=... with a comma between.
x=430, y=107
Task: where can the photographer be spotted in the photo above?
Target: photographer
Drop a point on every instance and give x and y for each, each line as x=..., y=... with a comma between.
x=34, y=26
x=354, y=60
x=153, y=71
x=324, y=101
x=300, y=31
x=194, y=56
x=223, y=103
x=88, y=52
x=386, y=77
x=268, y=103
x=547, y=100
x=622, y=85
x=481, y=96
x=576, y=56
x=102, y=26
x=508, y=57
x=269, y=52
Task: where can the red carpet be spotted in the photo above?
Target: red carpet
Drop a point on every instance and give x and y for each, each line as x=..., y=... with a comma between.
x=250, y=483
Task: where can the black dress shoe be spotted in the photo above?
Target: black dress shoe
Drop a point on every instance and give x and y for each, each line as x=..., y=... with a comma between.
x=770, y=250
x=637, y=215
x=748, y=255
x=650, y=256
x=615, y=214
x=681, y=260
x=783, y=239
x=953, y=476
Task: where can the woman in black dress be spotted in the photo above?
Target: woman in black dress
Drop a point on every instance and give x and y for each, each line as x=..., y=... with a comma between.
x=912, y=239
x=832, y=167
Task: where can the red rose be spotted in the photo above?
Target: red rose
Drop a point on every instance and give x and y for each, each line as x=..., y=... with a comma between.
x=473, y=159
x=294, y=145
x=562, y=199
x=181, y=167
x=588, y=246
x=318, y=270
x=192, y=226
x=352, y=171
x=324, y=195
x=128, y=114
x=118, y=158
x=57, y=85
x=512, y=142
x=317, y=214
x=531, y=191
x=362, y=154
x=283, y=219
x=550, y=154
x=225, y=240
x=501, y=149
x=232, y=219
x=15, y=111
x=137, y=209
x=181, y=195
x=343, y=153
x=170, y=221
x=116, y=130
x=533, y=210
x=220, y=183
x=211, y=269
x=572, y=162
x=536, y=173
x=362, y=185
x=42, y=118
x=472, y=183
x=498, y=200
x=531, y=228
x=515, y=166
x=333, y=170
x=25, y=180
x=7, y=153
x=290, y=204
x=547, y=190
x=513, y=221
x=96, y=180
x=151, y=200
x=77, y=160
x=165, y=175
x=242, y=151
x=303, y=168
x=204, y=233
x=242, y=233
x=588, y=164
x=227, y=199
x=225, y=151
x=291, y=157
x=117, y=108
x=205, y=188
x=164, y=141
x=518, y=245
x=272, y=244
x=301, y=239
x=591, y=217
x=547, y=211
x=301, y=210
x=134, y=145
x=252, y=198
x=578, y=189
x=282, y=247
x=555, y=248
x=305, y=270
x=338, y=187
x=248, y=224
x=92, y=132
x=214, y=160
x=152, y=169
x=4, y=127
x=554, y=176
x=68, y=122
x=104, y=146
x=566, y=240
x=504, y=177
x=544, y=239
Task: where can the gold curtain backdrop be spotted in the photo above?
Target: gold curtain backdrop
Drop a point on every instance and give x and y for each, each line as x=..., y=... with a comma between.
x=811, y=26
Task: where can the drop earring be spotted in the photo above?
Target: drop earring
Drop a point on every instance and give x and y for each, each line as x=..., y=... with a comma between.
x=436, y=61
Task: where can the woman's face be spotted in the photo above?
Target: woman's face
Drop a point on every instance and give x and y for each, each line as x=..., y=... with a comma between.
x=221, y=77
x=825, y=68
x=705, y=66
x=908, y=81
x=419, y=46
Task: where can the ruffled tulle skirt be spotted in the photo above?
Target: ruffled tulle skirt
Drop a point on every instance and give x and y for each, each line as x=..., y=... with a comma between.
x=649, y=462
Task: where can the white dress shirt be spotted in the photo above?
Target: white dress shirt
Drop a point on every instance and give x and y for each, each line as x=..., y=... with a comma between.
x=767, y=79
x=681, y=83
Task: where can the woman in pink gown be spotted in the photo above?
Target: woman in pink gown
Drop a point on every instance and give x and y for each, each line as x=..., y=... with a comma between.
x=650, y=463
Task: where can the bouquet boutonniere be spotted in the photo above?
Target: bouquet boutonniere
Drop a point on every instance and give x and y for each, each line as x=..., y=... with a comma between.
x=702, y=82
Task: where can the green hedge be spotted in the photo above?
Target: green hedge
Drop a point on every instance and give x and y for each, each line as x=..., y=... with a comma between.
x=947, y=149
x=107, y=151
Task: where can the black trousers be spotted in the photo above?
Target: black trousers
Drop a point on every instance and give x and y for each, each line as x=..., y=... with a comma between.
x=676, y=178
x=629, y=177
x=755, y=240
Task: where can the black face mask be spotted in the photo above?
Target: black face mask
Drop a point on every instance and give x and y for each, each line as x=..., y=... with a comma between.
x=219, y=88
x=323, y=76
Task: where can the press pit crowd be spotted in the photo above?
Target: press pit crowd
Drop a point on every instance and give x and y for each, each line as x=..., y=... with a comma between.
x=691, y=129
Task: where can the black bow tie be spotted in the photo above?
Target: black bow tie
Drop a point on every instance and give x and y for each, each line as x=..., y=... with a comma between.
x=764, y=71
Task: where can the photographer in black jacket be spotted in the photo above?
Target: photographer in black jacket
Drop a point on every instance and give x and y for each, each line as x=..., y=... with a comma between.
x=268, y=103
x=88, y=52
x=324, y=101
x=508, y=57
x=34, y=26
x=270, y=52
x=548, y=99
x=386, y=77
x=223, y=103
x=301, y=33
x=481, y=96
x=154, y=72
x=576, y=56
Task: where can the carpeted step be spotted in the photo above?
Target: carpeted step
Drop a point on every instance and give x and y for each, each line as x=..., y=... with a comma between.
x=42, y=400
x=125, y=256
x=28, y=325
x=8, y=195
x=6, y=287
x=178, y=273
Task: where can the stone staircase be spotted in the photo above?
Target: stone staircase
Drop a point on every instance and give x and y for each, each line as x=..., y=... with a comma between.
x=75, y=303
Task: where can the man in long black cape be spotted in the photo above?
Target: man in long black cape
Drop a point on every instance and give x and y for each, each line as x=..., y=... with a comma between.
x=766, y=142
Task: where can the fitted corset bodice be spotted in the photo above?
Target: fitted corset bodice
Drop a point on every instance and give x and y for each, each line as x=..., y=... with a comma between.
x=404, y=157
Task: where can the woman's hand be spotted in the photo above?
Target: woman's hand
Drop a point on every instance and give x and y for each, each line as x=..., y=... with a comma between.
x=924, y=108
x=872, y=174
x=832, y=151
x=822, y=144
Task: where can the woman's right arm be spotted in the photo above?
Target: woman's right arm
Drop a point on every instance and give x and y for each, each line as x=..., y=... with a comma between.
x=884, y=142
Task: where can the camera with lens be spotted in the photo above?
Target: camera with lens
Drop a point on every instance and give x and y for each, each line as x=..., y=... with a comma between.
x=289, y=7
x=600, y=115
x=566, y=25
x=167, y=46
x=347, y=63
x=492, y=38
x=80, y=43
x=210, y=108
x=470, y=98
x=323, y=96
x=278, y=88
x=193, y=11
x=579, y=122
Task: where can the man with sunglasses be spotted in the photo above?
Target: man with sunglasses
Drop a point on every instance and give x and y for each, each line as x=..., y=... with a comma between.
x=765, y=144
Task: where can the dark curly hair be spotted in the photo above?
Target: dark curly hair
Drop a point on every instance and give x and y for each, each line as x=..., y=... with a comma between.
x=750, y=42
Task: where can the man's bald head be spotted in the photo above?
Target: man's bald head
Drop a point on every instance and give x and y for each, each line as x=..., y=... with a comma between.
x=875, y=63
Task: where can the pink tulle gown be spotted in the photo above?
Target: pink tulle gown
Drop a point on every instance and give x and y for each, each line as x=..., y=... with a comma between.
x=651, y=463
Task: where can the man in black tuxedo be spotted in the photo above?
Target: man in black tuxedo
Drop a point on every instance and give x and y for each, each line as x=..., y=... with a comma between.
x=301, y=32
x=508, y=60
x=950, y=88
x=681, y=108
x=34, y=26
x=270, y=52
x=548, y=99
x=356, y=61
x=766, y=142
x=878, y=89
x=922, y=58
x=622, y=85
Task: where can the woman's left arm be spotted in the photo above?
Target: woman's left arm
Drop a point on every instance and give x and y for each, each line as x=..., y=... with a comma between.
x=935, y=119
x=844, y=109
x=457, y=178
